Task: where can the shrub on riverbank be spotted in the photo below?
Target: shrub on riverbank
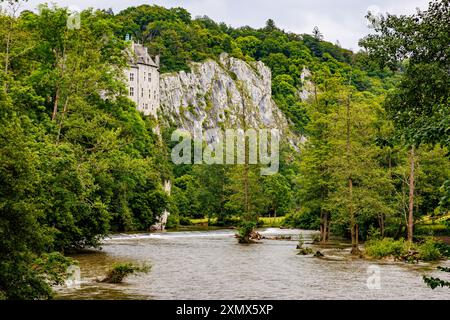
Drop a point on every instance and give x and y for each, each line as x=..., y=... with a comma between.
x=173, y=221
x=226, y=222
x=302, y=219
x=302, y=249
x=245, y=230
x=386, y=247
x=428, y=250
x=121, y=270
x=184, y=221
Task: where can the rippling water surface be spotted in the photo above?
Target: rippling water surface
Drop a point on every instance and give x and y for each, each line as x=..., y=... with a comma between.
x=211, y=265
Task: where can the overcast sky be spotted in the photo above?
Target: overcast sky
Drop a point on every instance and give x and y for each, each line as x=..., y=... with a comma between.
x=341, y=20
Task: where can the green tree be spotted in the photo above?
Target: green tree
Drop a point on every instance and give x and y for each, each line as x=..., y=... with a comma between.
x=419, y=105
x=27, y=269
x=362, y=185
x=277, y=191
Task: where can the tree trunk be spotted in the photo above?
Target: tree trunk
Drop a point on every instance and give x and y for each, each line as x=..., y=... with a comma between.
x=247, y=213
x=322, y=229
x=411, y=196
x=315, y=94
x=66, y=104
x=55, y=105
x=328, y=230
x=246, y=190
x=60, y=64
x=390, y=162
x=353, y=225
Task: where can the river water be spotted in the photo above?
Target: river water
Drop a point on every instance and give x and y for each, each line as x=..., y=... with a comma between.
x=212, y=265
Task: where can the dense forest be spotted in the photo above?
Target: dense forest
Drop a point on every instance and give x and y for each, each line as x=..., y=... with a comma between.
x=78, y=162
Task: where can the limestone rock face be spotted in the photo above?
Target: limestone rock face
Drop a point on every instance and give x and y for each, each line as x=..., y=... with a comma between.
x=224, y=94
x=307, y=86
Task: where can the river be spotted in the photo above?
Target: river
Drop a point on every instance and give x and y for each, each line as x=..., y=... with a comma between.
x=212, y=265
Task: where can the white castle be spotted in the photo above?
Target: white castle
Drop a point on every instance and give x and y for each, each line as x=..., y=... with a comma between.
x=143, y=79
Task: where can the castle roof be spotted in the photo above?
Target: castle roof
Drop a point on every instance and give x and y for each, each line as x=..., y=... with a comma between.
x=142, y=56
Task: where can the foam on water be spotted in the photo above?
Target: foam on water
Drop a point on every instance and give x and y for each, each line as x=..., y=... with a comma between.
x=171, y=235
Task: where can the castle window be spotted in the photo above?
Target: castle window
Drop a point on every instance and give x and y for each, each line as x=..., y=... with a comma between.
x=149, y=94
x=131, y=91
x=149, y=77
x=131, y=76
x=144, y=76
x=142, y=92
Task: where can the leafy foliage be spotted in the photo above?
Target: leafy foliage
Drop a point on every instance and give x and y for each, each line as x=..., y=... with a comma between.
x=77, y=159
x=122, y=270
x=245, y=230
x=433, y=283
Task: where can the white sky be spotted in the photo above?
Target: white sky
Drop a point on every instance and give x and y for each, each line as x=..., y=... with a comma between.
x=341, y=20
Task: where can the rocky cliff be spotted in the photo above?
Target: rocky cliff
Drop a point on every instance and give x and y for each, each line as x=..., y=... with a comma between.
x=222, y=94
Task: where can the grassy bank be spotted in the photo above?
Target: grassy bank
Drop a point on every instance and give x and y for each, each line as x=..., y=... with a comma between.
x=268, y=222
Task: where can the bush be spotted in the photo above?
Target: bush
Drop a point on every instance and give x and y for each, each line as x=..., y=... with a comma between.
x=226, y=222
x=300, y=246
x=121, y=270
x=184, y=221
x=245, y=230
x=303, y=220
x=386, y=247
x=172, y=221
x=429, y=250
x=260, y=223
x=444, y=249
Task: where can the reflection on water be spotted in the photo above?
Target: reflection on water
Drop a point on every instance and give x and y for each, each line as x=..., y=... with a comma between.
x=211, y=265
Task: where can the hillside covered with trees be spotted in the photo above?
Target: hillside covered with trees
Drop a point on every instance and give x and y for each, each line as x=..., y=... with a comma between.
x=78, y=162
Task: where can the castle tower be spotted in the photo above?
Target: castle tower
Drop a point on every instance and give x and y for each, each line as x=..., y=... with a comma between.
x=143, y=79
